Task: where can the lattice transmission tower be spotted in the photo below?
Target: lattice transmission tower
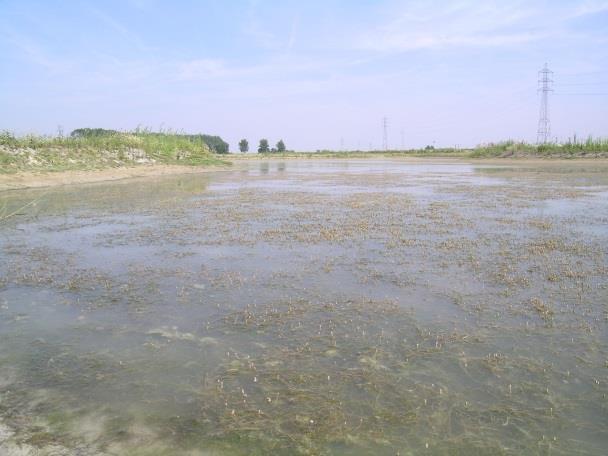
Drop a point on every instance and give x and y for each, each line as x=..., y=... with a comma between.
x=384, y=133
x=544, y=87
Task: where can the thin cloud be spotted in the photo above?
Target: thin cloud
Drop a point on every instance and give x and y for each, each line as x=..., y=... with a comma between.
x=590, y=8
x=200, y=69
x=132, y=37
x=30, y=51
x=255, y=30
x=464, y=24
x=292, y=34
x=412, y=42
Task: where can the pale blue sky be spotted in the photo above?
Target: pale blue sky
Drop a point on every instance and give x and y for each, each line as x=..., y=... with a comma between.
x=314, y=73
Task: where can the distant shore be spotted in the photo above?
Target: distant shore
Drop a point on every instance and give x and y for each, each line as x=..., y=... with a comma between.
x=97, y=155
x=41, y=178
x=456, y=154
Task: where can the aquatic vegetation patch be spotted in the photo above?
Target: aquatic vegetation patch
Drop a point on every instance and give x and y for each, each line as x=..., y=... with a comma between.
x=341, y=312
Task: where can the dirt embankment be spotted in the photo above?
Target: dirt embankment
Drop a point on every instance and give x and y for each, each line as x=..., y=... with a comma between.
x=30, y=179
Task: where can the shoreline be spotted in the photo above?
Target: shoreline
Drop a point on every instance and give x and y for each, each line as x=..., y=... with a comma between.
x=38, y=179
x=521, y=160
x=419, y=158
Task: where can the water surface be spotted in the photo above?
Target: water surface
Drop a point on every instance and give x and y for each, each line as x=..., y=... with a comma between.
x=309, y=307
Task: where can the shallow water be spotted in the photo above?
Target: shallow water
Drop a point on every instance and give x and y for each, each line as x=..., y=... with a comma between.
x=309, y=307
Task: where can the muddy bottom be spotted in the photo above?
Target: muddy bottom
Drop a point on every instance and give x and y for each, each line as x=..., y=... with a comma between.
x=309, y=307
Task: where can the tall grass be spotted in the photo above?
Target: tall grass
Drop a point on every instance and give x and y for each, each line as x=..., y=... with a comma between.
x=157, y=144
x=589, y=145
x=110, y=148
x=570, y=148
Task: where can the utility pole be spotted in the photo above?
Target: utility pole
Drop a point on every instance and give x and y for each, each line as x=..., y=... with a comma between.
x=385, y=133
x=402, y=139
x=544, y=87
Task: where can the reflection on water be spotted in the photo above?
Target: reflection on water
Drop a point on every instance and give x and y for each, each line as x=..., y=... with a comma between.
x=308, y=307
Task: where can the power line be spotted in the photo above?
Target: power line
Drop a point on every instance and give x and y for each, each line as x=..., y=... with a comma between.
x=544, y=125
x=581, y=93
x=580, y=83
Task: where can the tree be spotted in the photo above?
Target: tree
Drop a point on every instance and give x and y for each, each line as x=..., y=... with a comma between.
x=244, y=145
x=215, y=143
x=281, y=146
x=263, y=147
x=92, y=132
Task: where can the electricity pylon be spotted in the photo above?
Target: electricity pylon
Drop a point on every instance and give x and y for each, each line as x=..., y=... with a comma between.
x=544, y=87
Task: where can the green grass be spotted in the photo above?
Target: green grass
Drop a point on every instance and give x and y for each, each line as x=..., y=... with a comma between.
x=446, y=152
x=570, y=149
x=592, y=147
x=96, y=151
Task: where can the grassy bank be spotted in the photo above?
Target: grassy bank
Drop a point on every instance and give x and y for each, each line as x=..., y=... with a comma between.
x=99, y=151
x=591, y=148
x=454, y=153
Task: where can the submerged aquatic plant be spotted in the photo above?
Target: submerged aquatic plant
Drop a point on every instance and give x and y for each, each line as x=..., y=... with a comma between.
x=450, y=321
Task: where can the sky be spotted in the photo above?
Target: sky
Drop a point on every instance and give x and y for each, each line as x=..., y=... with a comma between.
x=319, y=74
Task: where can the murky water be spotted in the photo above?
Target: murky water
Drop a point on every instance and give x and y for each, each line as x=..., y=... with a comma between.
x=309, y=307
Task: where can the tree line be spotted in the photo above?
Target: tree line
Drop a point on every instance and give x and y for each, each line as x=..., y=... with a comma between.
x=263, y=147
x=215, y=143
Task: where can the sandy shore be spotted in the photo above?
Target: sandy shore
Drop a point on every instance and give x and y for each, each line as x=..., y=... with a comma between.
x=52, y=179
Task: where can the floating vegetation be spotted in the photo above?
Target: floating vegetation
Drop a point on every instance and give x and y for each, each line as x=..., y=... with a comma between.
x=320, y=376
x=313, y=308
x=541, y=308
